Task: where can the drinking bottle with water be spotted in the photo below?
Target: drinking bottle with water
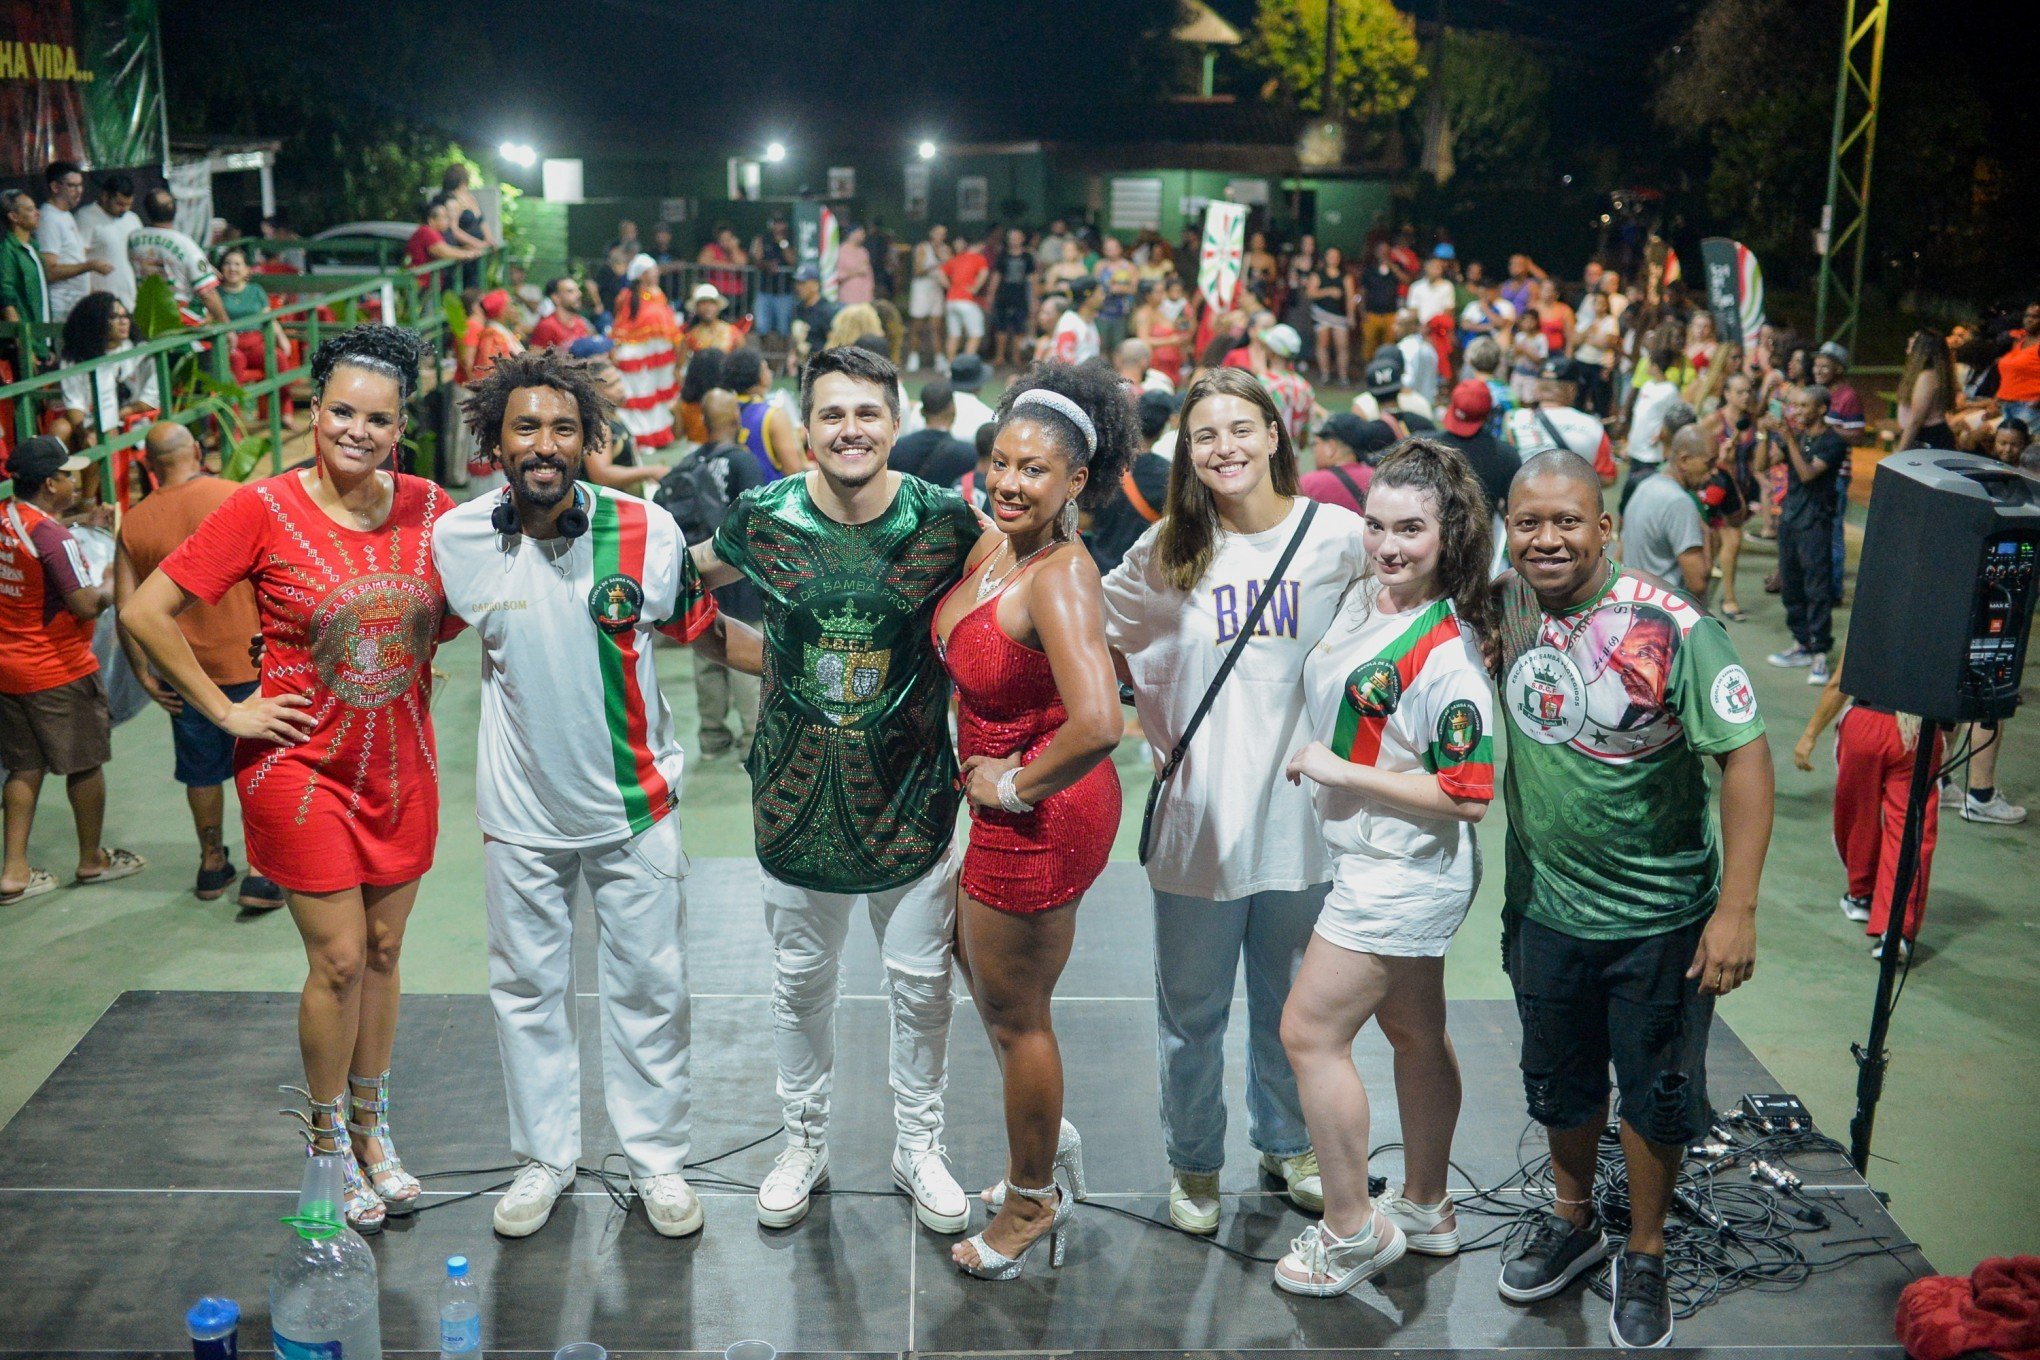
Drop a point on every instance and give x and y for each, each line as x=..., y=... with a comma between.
x=322, y=1290
x=460, y=1313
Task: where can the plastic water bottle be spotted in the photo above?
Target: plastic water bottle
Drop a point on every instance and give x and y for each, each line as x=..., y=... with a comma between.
x=460, y=1313
x=322, y=1290
x=214, y=1325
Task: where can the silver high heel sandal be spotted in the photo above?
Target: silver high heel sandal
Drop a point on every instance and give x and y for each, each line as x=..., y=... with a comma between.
x=1069, y=1168
x=996, y=1265
x=363, y=1207
x=369, y=1118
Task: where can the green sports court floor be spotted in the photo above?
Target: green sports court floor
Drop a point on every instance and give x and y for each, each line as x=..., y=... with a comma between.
x=1956, y=1140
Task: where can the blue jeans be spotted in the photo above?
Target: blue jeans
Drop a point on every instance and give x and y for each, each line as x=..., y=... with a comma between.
x=775, y=313
x=1198, y=946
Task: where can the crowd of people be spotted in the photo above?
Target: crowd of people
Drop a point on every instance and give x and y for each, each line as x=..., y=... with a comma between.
x=1318, y=657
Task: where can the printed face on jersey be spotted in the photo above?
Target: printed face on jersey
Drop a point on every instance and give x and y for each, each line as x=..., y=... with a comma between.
x=1401, y=536
x=1557, y=534
x=850, y=429
x=540, y=445
x=1605, y=695
x=358, y=419
x=1231, y=440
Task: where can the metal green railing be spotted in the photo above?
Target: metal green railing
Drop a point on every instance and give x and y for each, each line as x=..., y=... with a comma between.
x=415, y=292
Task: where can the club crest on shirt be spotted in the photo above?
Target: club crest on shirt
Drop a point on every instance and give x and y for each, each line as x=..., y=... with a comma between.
x=844, y=670
x=1374, y=688
x=371, y=637
x=1546, y=696
x=1731, y=696
x=1459, y=729
x=615, y=603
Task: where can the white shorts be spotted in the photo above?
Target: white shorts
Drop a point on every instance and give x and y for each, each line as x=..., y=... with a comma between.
x=1405, y=909
x=966, y=319
x=924, y=299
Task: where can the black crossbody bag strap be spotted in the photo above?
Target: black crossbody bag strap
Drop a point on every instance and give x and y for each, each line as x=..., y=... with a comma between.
x=1225, y=667
x=1346, y=478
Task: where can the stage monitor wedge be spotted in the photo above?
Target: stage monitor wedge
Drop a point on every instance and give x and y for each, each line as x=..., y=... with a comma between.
x=1946, y=587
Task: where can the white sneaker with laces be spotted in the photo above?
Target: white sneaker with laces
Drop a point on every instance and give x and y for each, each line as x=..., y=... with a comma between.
x=1193, y=1201
x=939, y=1202
x=1301, y=1180
x=1420, y=1223
x=1320, y=1265
x=1997, y=811
x=529, y=1201
x=670, y=1203
x=784, y=1197
x=1856, y=908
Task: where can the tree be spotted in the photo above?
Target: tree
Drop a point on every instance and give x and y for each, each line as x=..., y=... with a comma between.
x=1495, y=90
x=1378, y=66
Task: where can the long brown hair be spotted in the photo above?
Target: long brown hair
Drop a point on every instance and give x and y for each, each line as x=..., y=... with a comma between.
x=1188, y=537
x=1924, y=351
x=1465, y=530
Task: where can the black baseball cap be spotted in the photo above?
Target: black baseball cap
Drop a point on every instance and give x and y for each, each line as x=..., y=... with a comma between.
x=1385, y=372
x=1362, y=436
x=1559, y=368
x=43, y=457
x=966, y=373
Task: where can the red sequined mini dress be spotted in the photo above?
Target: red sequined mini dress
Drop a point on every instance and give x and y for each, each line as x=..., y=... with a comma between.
x=1007, y=702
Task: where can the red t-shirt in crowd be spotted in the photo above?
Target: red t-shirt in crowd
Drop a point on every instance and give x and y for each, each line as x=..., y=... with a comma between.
x=418, y=249
x=558, y=330
x=1328, y=488
x=42, y=644
x=2019, y=374
x=965, y=271
x=349, y=621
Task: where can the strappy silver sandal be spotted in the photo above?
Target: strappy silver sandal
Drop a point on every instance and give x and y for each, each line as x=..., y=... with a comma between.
x=399, y=1188
x=363, y=1207
x=993, y=1264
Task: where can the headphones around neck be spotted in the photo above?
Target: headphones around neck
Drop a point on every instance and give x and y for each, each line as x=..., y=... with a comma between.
x=572, y=523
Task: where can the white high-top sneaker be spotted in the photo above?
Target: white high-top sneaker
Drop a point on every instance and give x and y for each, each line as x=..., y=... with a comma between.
x=784, y=1197
x=939, y=1201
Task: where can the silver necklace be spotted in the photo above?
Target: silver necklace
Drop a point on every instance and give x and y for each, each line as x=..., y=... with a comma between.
x=987, y=583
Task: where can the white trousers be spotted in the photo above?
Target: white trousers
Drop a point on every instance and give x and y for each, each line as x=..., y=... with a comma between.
x=916, y=928
x=640, y=918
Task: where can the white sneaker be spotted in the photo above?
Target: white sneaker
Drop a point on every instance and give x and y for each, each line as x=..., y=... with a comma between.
x=1193, y=1201
x=1792, y=657
x=671, y=1204
x=913, y=361
x=783, y=1198
x=529, y=1201
x=1301, y=1180
x=1856, y=908
x=1419, y=1223
x=1321, y=1265
x=1951, y=795
x=1997, y=811
x=1819, y=674
x=1904, y=951
x=939, y=1201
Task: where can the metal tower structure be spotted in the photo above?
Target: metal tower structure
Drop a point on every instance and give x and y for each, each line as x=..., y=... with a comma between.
x=1845, y=220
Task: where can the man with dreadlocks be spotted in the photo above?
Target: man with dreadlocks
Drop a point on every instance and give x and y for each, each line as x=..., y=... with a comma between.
x=564, y=582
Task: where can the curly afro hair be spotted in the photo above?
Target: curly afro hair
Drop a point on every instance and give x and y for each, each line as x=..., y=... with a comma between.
x=1102, y=395
x=389, y=350
x=544, y=367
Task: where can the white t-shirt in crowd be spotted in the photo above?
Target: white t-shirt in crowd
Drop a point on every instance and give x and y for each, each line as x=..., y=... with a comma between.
x=576, y=745
x=1075, y=339
x=56, y=235
x=1430, y=297
x=98, y=393
x=1647, y=419
x=1474, y=316
x=168, y=252
x=1420, y=367
x=1404, y=693
x=1582, y=433
x=1229, y=824
x=106, y=238
x=971, y=412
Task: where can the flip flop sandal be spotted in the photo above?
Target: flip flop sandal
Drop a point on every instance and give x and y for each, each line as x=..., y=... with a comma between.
x=119, y=864
x=40, y=881
x=1734, y=614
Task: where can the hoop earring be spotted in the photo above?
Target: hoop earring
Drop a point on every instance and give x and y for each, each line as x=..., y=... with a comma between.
x=1066, y=522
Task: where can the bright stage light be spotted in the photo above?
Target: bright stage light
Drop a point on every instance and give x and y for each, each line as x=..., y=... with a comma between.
x=927, y=150
x=775, y=152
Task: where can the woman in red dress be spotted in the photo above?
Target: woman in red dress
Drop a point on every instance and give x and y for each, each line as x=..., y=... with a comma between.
x=1023, y=636
x=335, y=765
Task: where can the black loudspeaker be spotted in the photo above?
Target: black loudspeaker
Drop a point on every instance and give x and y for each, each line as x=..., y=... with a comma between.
x=1946, y=587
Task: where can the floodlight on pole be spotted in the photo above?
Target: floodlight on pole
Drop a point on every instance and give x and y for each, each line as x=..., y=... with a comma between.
x=926, y=150
x=775, y=152
x=520, y=154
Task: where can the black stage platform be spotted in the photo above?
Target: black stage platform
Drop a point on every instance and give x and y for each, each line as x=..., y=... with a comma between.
x=150, y=1169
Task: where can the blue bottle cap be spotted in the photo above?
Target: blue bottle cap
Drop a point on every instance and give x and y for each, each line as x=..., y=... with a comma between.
x=456, y=1267
x=211, y=1314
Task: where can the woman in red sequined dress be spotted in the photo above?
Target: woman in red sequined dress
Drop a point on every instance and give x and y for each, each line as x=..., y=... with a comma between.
x=334, y=762
x=1023, y=636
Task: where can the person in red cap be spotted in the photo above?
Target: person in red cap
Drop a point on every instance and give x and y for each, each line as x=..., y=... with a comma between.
x=1465, y=421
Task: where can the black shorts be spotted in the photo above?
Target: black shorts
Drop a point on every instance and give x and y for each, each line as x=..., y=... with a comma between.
x=1009, y=311
x=1587, y=1004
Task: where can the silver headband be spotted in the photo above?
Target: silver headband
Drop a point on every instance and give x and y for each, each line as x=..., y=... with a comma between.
x=1063, y=406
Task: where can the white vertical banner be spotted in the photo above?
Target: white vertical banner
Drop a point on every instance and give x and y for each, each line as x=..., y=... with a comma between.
x=1225, y=245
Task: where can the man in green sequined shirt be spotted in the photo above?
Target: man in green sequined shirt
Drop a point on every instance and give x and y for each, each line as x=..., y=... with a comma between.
x=852, y=772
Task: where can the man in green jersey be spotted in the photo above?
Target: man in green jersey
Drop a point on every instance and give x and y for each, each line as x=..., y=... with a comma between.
x=852, y=774
x=1624, y=914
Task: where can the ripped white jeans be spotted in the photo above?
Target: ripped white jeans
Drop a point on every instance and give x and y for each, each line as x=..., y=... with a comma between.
x=916, y=927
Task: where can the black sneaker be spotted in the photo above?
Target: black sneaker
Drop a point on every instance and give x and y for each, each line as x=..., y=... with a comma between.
x=1556, y=1254
x=1640, y=1317
x=212, y=882
x=259, y=894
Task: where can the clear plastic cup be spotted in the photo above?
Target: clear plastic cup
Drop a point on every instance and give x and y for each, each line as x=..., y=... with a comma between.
x=751, y=1350
x=581, y=1350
